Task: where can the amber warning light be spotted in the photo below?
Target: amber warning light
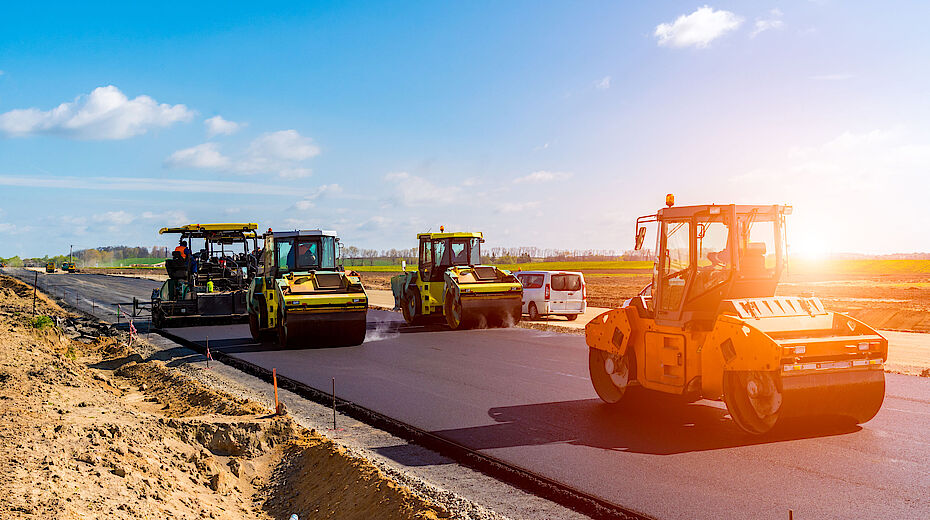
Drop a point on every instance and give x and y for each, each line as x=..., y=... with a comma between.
x=669, y=200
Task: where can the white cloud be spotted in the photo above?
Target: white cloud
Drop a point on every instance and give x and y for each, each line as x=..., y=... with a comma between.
x=216, y=125
x=146, y=184
x=411, y=190
x=105, y=113
x=279, y=152
x=284, y=145
x=516, y=207
x=168, y=218
x=206, y=156
x=542, y=176
x=697, y=29
x=773, y=22
x=309, y=201
x=603, y=83
x=115, y=218
x=295, y=173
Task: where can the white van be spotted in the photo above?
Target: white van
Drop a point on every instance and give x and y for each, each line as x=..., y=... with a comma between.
x=553, y=292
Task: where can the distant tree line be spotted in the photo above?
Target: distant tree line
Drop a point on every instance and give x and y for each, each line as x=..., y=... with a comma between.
x=352, y=255
x=99, y=257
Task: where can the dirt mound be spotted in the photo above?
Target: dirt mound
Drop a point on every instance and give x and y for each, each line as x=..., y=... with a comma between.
x=182, y=396
x=245, y=438
x=319, y=480
x=90, y=429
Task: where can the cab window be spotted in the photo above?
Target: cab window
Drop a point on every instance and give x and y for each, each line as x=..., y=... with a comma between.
x=676, y=264
x=283, y=248
x=328, y=256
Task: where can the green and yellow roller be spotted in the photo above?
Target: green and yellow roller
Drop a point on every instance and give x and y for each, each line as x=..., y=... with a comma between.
x=450, y=282
x=302, y=296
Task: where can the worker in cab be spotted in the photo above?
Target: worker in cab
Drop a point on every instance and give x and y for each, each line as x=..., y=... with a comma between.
x=183, y=250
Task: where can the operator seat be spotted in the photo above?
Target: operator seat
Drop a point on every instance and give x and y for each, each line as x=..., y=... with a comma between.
x=753, y=262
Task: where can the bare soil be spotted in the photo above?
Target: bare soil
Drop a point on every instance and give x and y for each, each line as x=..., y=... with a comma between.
x=88, y=429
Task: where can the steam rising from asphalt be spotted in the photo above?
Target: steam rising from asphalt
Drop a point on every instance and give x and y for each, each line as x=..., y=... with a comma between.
x=383, y=330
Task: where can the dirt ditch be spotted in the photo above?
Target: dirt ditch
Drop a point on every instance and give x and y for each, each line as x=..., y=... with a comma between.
x=90, y=429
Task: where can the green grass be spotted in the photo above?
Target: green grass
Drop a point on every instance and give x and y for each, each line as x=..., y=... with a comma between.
x=129, y=261
x=41, y=322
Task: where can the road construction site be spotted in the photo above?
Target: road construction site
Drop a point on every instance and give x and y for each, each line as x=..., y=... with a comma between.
x=517, y=404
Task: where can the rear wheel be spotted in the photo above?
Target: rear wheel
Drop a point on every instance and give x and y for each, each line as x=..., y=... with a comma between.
x=158, y=319
x=753, y=399
x=455, y=316
x=571, y=317
x=411, y=307
x=254, y=328
x=533, y=311
x=282, y=333
x=610, y=374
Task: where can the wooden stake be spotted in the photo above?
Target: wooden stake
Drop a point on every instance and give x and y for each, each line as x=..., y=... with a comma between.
x=34, y=292
x=274, y=381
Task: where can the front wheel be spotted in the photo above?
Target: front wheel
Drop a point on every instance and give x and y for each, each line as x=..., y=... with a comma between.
x=753, y=399
x=455, y=316
x=610, y=374
x=571, y=317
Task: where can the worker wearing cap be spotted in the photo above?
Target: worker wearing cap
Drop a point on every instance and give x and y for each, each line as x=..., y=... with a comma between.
x=183, y=249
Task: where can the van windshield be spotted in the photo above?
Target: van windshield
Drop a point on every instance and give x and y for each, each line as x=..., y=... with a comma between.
x=566, y=282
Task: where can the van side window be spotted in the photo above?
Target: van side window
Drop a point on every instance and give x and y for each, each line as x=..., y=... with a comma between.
x=532, y=281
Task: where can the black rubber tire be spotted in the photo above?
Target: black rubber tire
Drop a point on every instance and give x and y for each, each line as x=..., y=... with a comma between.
x=282, y=333
x=604, y=386
x=533, y=312
x=741, y=409
x=455, y=315
x=254, y=328
x=410, y=306
x=158, y=320
x=571, y=317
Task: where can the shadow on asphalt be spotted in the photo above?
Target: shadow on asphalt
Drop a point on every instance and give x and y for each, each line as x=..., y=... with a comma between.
x=651, y=424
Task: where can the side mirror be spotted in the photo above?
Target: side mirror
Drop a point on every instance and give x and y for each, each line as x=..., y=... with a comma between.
x=640, y=237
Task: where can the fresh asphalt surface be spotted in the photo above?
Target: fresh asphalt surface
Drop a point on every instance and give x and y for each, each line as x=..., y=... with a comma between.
x=523, y=396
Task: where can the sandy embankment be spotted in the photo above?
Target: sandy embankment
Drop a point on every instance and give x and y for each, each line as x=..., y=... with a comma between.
x=89, y=429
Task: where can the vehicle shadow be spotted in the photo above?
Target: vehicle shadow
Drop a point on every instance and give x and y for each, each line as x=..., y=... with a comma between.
x=649, y=424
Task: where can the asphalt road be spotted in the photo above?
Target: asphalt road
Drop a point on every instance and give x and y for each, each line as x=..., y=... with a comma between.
x=523, y=396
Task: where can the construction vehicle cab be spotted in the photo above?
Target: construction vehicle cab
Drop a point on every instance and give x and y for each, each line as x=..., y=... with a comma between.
x=50, y=267
x=70, y=267
x=303, y=296
x=208, y=277
x=711, y=326
x=451, y=282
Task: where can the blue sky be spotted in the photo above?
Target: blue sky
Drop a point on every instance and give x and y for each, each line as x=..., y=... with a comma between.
x=552, y=124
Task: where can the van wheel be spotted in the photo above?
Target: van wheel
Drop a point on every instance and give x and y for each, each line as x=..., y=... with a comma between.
x=533, y=312
x=571, y=317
